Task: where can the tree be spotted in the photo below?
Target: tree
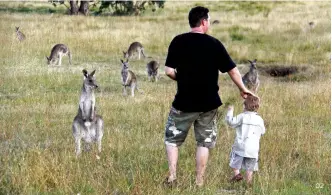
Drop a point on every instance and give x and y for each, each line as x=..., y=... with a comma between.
x=130, y=7
x=127, y=7
x=76, y=6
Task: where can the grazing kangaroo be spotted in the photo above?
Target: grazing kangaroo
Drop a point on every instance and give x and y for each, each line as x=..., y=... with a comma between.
x=129, y=78
x=87, y=125
x=134, y=47
x=58, y=51
x=152, y=69
x=215, y=22
x=19, y=34
x=250, y=79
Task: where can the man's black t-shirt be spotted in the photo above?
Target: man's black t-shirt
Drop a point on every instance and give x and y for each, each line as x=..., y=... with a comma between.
x=197, y=59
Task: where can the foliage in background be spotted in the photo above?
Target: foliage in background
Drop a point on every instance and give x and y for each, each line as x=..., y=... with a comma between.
x=129, y=7
x=112, y=7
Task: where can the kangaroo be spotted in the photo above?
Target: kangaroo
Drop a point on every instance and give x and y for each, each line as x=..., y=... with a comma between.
x=58, y=51
x=311, y=24
x=129, y=78
x=215, y=22
x=19, y=34
x=87, y=125
x=250, y=79
x=152, y=69
x=134, y=47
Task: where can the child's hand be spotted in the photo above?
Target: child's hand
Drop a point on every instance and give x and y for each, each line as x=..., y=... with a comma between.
x=230, y=107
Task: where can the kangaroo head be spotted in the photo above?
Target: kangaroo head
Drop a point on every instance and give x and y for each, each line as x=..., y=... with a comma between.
x=17, y=28
x=48, y=60
x=253, y=64
x=89, y=79
x=125, y=65
x=125, y=54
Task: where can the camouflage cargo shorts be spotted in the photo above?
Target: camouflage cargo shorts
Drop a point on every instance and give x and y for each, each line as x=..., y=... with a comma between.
x=179, y=123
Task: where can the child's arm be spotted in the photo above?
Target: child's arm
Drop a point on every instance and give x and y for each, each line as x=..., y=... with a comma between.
x=233, y=121
x=263, y=128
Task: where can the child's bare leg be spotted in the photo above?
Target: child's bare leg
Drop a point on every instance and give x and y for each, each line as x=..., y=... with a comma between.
x=236, y=171
x=237, y=175
x=249, y=176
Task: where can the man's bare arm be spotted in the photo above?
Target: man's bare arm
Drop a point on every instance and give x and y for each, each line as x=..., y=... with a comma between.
x=237, y=79
x=170, y=72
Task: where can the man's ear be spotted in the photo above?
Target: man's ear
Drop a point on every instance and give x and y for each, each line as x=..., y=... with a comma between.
x=205, y=22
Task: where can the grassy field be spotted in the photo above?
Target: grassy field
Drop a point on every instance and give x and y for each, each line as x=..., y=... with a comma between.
x=38, y=102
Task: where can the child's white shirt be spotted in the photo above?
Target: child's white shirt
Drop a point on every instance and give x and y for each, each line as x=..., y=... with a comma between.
x=249, y=128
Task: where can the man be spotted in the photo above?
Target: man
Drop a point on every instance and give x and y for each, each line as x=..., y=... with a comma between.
x=194, y=61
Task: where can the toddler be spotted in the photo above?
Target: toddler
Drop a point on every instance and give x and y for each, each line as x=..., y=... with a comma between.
x=249, y=128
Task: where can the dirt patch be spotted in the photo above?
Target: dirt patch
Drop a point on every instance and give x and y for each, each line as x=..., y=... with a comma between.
x=283, y=71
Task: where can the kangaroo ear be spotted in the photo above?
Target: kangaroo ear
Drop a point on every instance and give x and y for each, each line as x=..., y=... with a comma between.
x=127, y=60
x=255, y=60
x=47, y=58
x=121, y=61
x=124, y=52
x=92, y=73
x=85, y=73
x=250, y=61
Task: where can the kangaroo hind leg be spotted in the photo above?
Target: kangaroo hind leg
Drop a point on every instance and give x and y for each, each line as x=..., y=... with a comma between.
x=133, y=87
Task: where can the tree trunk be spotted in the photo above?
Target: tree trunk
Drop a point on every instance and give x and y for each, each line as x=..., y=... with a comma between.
x=73, y=7
x=138, y=6
x=84, y=8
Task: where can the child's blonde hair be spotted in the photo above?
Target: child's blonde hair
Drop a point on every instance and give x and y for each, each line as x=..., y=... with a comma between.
x=251, y=103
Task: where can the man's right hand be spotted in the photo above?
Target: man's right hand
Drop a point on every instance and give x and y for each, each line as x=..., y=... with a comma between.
x=245, y=93
x=237, y=79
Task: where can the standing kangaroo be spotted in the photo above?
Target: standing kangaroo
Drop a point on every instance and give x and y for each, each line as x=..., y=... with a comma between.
x=152, y=69
x=129, y=78
x=58, y=51
x=134, y=47
x=19, y=34
x=250, y=79
x=87, y=125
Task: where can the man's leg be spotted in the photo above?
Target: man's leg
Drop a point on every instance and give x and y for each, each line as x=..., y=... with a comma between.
x=206, y=134
x=202, y=156
x=177, y=127
x=172, y=157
